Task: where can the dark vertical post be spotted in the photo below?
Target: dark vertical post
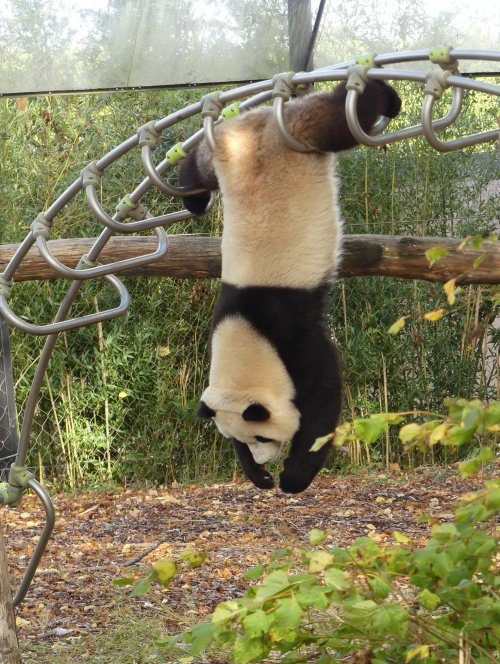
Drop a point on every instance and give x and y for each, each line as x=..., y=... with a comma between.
x=9, y=648
x=299, y=33
x=8, y=422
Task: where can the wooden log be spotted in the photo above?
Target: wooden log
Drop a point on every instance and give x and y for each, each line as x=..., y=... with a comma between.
x=9, y=649
x=198, y=257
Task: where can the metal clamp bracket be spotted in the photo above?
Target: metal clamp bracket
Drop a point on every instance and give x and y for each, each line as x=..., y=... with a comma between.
x=41, y=226
x=127, y=208
x=5, y=287
x=210, y=112
x=11, y=492
x=176, y=154
x=148, y=135
x=282, y=91
x=437, y=82
x=91, y=175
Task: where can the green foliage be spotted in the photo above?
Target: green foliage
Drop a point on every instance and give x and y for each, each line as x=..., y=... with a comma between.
x=403, y=603
x=465, y=422
x=162, y=572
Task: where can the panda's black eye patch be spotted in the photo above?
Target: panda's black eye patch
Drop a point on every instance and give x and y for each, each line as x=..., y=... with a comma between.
x=263, y=439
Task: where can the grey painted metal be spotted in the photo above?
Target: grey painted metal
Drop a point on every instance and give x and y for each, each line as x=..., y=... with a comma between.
x=248, y=96
x=101, y=270
x=71, y=323
x=50, y=519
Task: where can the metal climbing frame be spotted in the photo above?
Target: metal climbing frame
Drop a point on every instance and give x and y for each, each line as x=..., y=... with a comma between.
x=131, y=216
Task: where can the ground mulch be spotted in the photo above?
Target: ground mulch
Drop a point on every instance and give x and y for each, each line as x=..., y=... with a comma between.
x=101, y=536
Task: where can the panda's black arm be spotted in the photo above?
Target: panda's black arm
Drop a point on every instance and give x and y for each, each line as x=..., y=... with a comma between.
x=319, y=120
x=302, y=466
x=196, y=171
x=255, y=472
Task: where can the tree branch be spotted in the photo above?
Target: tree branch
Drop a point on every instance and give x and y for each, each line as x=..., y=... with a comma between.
x=198, y=257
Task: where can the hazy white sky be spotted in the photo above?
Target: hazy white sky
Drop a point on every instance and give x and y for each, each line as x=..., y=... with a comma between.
x=159, y=60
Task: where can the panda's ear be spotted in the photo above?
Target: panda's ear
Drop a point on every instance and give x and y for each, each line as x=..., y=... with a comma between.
x=256, y=412
x=204, y=411
x=319, y=120
x=196, y=172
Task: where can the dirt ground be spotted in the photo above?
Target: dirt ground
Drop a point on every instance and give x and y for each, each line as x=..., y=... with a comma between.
x=98, y=535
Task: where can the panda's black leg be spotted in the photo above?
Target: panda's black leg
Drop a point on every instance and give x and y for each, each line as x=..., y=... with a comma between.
x=301, y=466
x=255, y=472
x=299, y=470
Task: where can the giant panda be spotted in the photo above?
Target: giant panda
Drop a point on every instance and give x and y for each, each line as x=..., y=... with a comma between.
x=275, y=373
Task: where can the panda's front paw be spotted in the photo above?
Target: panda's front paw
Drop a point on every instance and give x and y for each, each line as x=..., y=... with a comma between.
x=388, y=99
x=263, y=481
x=293, y=482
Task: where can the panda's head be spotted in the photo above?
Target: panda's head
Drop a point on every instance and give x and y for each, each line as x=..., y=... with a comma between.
x=250, y=394
x=263, y=431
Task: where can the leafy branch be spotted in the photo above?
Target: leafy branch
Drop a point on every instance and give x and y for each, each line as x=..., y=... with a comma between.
x=396, y=602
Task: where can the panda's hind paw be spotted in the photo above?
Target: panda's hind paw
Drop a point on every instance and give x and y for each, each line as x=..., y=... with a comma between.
x=292, y=483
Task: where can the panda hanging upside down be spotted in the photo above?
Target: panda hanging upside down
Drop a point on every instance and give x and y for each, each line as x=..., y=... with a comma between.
x=275, y=373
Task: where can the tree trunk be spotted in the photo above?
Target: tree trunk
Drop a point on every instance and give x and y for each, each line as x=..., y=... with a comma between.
x=9, y=649
x=196, y=257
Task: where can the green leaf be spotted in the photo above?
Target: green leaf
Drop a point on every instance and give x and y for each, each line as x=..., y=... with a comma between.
x=275, y=583
x=477, y=242
x=492, y=500
x=194, y=558
x=319, y=560
x=445, y=532
x=246, y=650
x=225, y=612
x=390, y=620
x=409, y=432
x=124, y=581
x=442, y=565
x=435, y=254
x=460, y=435
x=289, y=613
x=335, y=578
x=254, y=572
x=420, y=652
x=317, y=536
x=312, y=598
x=428, y=599
x=369, y=430
x=165, y=570
x=257, y=623
x=361, y=613
x=400, y=537
x=200, y=636
x=320, y=442
x=142, y=586
x=380, y=587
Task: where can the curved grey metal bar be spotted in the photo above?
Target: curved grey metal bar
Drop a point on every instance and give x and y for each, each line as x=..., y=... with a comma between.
x=101, y=270
x=50, y=519
x=72, y=323
x=208, y=129
x=453, y=144
x=407, y=132
x=101, y=215
x=159, y=182
x=279, y=116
